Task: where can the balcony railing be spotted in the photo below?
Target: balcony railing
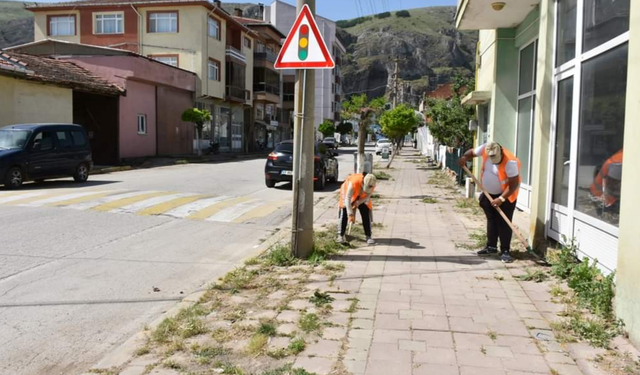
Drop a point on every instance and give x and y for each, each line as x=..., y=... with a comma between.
x=237, y=93
x=266, y=87
x=266, y=55
x=288, y=97
x=236, y=53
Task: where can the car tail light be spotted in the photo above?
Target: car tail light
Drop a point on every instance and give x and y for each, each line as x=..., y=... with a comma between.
x=317, y=158
x=272, y=156
x=315, y=179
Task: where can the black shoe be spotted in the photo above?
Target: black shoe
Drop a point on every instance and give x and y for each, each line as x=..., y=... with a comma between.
x=506, y=257
x=488, y=251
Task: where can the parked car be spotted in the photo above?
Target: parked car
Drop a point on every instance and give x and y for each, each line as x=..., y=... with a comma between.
x=279, y=166
x=330, y=142
x=382, y=143
x=42, y=151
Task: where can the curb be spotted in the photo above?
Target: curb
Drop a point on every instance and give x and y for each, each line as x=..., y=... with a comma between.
x=110, y=170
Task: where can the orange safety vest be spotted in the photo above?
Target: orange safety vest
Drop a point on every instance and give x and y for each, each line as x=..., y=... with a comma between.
x=502, y=171
x=357, y=181
x=596, y=187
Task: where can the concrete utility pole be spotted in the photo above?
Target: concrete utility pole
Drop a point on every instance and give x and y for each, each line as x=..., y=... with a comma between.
x=395, y=83
x=303, y=156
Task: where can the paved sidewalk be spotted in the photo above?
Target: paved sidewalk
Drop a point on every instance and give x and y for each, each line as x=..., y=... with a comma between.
x=427, y=307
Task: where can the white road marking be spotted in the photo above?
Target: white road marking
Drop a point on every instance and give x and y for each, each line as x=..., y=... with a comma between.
x=135, y=207
x=20, y=197
x=111, y=198
x=234, y=212
x=193, y=207
x=42, y=202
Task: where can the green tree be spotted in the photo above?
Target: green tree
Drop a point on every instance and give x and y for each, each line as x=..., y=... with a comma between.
x=344, y=128
x=198, y=117
x=362, y=110
x=327, y=128
x=398, y=122
x=449, y=119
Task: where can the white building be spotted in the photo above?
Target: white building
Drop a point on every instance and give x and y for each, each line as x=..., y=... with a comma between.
x=328, y=81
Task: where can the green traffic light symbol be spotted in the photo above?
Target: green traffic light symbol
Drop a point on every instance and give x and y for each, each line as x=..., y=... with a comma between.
x=303, y=42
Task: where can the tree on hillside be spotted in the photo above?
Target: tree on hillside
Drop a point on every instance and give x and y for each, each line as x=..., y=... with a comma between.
x=449, y=119
x=403, y=14
x=327, y=128
x=383, y=15
x=359, y=108
x=198, y=117
x=399, y=122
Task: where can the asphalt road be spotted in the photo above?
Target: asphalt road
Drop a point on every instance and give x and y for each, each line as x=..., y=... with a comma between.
x=84, y=267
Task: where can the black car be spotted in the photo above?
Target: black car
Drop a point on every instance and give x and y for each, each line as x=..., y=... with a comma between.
x=279, y=167
x=40, y=151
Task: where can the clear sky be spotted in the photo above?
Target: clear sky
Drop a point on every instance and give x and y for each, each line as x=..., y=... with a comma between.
x=345, y=9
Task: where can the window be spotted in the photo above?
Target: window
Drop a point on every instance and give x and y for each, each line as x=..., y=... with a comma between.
x=247, y=43
x=43, y=141
x=601, y=134
x=79, y=139
x=62, y=25
x=604, y=20
x=64, y=139
x=566, y=38
x=526, y=109
x=167, y=59
x=563, y=143
x=109, y=23
x=214, y=70
x=260, y=111
x=165, y=22
x=142, y=124
x=214, y=28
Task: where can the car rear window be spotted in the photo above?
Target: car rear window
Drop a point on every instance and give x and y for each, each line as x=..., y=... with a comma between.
x=79, y=140
x=285, y=147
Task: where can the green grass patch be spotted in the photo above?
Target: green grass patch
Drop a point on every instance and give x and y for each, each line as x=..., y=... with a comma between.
x=309, y=322
x=353, y=307
x=187, y=323
x=538, y=276
x=287, y=370
x=479, y=241
x=280, y=256
x=206, y=354
x=267, y=328
x=238, y=279
x=382, y=175
x=257, y=344
x=321, y=299
x=227, y=368
x=297, y=345
x=429, y=200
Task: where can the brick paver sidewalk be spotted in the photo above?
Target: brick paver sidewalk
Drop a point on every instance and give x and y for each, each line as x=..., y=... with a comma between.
x=427, y=307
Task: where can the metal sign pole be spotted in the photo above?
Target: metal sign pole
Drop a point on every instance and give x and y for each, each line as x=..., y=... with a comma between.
x=297, y=164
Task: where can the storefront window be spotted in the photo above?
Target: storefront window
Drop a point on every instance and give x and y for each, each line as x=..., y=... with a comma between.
x=601, y=135
x=224, y=124
x=604, y=20
x=566, y=51
x=523, y=148
x=527, y=69
x=563, y=143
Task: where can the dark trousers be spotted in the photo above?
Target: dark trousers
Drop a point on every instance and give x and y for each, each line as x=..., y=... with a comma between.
x=366, y=220
x=496, y=226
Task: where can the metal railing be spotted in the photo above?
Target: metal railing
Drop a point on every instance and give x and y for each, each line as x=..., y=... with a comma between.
x=266, y=55
x=238, y=93
x=451, y=162
x=236, y=53
x=266, y=87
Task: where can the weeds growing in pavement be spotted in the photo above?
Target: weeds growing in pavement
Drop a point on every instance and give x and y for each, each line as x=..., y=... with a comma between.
x=296, y=346
x=429, y=200
x=470, y=204
x=187, y=323
x=381, y=175
x=287, y=370
x=558, y=291
x=564, y=259
x=320, y=299
x=479, y=238
x=492, y=335
x=206, y=354
x=354, y=305
x=281, y=256
x=538, y=276
x=309, y=322
x=267, y=328
x=227, y=368
x=257, y=344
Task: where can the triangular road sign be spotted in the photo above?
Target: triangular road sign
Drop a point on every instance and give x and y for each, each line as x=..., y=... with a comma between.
x=304, y=47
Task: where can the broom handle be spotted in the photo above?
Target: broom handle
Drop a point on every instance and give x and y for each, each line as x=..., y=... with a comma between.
x=504, y=216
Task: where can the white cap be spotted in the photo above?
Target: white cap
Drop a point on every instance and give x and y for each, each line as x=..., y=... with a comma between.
x=370, y=182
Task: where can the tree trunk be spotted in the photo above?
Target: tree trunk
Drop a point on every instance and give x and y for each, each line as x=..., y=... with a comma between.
x=362, y=134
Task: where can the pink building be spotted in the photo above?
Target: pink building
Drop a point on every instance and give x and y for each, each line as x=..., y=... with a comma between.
x=146, y=119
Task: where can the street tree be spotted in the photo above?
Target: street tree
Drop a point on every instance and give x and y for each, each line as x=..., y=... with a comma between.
x=362, y=110
x=198, y=117
x=398, y=122
x=449, y=119
x=327, y=128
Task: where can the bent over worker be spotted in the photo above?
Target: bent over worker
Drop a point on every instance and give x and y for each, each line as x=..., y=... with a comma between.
x=355, y=193
x=501, y=179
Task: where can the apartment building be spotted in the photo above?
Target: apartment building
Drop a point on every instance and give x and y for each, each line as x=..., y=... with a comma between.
x=198, y=36
x=556, y=83
x=328, y=81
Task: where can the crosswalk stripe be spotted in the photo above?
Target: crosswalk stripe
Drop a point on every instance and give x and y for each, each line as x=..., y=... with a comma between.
x=20, y=197
x=162, y=207
x=231, y=213
x=60, y=198
x=111, y=206
x=91, y=199
x=262, y=211
x=193, y=207
x=89, y=204
x=147, y=203
x=215, y=208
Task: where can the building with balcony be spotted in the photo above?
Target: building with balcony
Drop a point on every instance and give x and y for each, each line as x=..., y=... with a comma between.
x=556, y=84
x=268, y=125
x=198, y=36
x=328, y=81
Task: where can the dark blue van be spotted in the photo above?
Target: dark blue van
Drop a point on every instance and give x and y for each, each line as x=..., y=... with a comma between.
x=35, y=152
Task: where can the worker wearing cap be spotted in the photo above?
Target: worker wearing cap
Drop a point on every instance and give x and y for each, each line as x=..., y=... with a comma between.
x=501, y=179
x=605, y=187
x=355, y=193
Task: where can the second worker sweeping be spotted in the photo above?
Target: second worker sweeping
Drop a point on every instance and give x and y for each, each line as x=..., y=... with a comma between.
x=355, y=193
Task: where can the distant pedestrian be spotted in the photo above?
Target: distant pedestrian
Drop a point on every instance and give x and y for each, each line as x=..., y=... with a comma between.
x=501, y=179
x=355, y=193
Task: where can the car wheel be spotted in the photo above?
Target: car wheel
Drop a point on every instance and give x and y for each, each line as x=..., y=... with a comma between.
x=14, y=178
x=334, y=178
x=270, y=183
x=82, y=173
x=320, y=183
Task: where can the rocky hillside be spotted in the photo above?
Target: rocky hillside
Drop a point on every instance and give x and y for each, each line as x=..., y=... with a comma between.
x=429, y=48
x=16, y=24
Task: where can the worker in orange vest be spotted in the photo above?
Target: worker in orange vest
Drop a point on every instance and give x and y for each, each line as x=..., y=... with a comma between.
x=355, y=193
x=606, y=185
x=501, y=179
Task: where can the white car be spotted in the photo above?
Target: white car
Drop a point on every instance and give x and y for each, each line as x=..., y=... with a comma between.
x=383, y=143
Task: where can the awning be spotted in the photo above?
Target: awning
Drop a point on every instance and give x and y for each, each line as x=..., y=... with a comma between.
x=492, y=14
x=476, y=97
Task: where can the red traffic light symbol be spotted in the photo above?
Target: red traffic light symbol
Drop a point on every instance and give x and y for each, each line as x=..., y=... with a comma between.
x=303, y=42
